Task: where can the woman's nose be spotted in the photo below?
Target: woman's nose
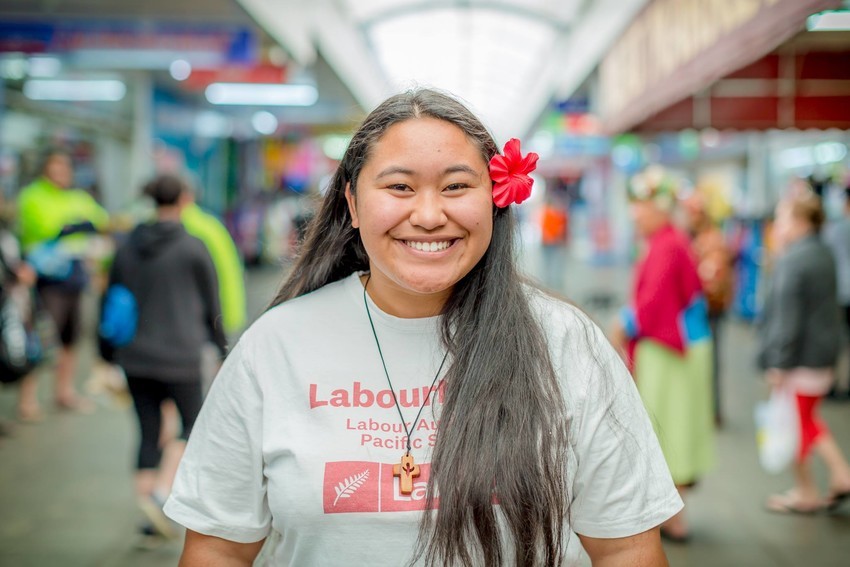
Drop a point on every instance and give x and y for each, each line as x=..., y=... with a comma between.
x=428, y=211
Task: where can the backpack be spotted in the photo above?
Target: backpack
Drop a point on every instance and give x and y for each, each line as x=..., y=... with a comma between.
x=119, y=316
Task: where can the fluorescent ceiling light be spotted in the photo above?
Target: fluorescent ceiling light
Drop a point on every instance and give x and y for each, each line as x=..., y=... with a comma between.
x=264, y=122
x=823, y=153
x=77, y=90
x=180, y=69
x=829, y=21
x=260, y=94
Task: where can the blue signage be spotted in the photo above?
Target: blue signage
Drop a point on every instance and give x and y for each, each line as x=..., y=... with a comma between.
x=223, y=43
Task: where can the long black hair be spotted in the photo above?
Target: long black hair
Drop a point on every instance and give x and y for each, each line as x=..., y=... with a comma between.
x=502, y=435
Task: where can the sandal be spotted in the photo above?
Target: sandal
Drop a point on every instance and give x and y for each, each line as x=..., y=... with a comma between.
x=790, y=503
x=836, y=499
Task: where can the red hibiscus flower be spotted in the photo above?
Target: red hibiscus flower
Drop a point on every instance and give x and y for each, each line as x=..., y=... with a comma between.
x=509, y=172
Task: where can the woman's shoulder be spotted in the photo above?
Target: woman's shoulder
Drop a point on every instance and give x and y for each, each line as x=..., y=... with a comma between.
x=556, y=312
x=567, y=328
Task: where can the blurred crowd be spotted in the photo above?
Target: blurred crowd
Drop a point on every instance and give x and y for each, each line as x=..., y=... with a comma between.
x=171, y=288
x=669, y=333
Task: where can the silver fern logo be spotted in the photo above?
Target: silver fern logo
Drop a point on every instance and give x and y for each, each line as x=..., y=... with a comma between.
x=350, y=485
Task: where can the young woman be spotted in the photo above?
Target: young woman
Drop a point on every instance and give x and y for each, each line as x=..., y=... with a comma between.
x=409, y=398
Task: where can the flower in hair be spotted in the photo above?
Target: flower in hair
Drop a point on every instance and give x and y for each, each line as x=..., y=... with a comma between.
x=509, y=172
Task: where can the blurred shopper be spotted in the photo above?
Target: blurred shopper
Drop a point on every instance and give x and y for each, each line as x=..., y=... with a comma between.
x=837, y=237
x=173, y=281
x=554, y=231
x=800, y=333
x=715, y=269
x=408, y=272
x=231, y=290
x=17, y=278
x=53, y=219
x=665, y=329
x=228, y=266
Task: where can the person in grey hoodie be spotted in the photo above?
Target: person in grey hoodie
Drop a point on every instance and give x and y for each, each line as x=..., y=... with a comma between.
x=173, y=281
x=800, y=332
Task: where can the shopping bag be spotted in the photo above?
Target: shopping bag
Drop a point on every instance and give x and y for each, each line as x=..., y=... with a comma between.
x=777, y=429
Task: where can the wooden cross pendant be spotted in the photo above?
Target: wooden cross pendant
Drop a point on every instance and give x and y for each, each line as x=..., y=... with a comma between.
x=406, y=471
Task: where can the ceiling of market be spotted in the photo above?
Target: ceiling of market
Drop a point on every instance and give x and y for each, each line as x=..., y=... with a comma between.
x=506, y=58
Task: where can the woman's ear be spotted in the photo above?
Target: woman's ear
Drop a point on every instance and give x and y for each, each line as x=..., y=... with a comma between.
x=352, y=209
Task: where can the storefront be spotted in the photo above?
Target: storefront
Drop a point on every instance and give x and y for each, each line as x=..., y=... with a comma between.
x=739, y=98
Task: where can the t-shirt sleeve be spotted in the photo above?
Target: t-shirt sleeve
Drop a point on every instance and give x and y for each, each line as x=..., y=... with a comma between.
x=220, y=488
x=621, y=484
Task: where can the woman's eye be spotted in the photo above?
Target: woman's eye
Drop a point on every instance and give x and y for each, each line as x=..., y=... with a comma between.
x=456, y=186
x=399, y=187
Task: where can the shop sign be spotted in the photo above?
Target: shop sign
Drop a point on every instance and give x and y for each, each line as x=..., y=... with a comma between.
x=676, y=47
x=269, y=74
x=222, y=43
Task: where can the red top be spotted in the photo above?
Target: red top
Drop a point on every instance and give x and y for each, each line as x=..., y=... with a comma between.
x=666, y=285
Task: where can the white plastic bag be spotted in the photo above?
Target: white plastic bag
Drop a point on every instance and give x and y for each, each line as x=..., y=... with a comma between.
x=777, y=429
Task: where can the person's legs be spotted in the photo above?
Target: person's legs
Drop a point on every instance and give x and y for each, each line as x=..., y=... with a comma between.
x=804, y=497
x=188, y=399
x=170, y=429
x=676, y=528
x=839, y=469
x=714, y=322
x=29, y=408
x=64, y=308
x=147, y=396
x=66, y=365
x=824, y=445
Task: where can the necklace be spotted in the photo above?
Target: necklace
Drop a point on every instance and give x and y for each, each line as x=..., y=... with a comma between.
x=407, y=469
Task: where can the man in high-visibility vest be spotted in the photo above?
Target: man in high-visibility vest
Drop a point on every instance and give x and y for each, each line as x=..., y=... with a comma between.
x=53, y=220
x=231, y=278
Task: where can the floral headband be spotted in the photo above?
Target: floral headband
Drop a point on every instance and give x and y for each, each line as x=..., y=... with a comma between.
x=509, y=172
x=654, y=184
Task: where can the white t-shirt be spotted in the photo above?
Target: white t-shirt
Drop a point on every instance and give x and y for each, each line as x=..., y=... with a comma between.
x=299, y=434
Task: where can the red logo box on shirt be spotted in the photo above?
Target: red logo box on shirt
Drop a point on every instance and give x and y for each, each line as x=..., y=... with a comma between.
x=361, y=486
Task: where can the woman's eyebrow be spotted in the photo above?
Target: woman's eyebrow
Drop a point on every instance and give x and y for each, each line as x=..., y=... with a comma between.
x=394, y=169
x=461, y=168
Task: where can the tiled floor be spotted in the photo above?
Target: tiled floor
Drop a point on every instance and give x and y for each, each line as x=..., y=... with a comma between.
x=66, y=484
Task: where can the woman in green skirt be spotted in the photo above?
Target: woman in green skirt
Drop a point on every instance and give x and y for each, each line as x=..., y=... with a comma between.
x=665, y=330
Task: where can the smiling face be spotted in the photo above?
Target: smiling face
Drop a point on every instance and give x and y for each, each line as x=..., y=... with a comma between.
x=424, y=209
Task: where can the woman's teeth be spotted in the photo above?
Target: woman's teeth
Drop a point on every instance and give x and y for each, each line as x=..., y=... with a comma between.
x=428, y=246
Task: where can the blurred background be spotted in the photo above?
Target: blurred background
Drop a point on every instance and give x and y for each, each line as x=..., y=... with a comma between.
x=254, y=101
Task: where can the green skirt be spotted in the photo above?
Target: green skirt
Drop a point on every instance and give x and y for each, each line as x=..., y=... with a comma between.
x=677, y=393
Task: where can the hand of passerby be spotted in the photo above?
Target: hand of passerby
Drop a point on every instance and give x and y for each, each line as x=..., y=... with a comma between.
x=25, y=274
x=774, y=377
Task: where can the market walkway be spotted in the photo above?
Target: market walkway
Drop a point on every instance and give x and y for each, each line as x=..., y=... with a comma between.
x=66, y=484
